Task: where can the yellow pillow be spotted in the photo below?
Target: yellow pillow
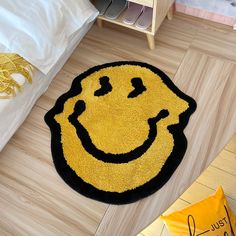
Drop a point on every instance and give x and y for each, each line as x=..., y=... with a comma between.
x=211, y=216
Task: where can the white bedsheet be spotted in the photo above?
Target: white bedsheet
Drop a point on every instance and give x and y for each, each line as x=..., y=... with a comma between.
x=40, y=30
x=14, y=111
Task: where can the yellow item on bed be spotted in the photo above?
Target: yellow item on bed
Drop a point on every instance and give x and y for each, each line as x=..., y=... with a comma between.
x=11, y=63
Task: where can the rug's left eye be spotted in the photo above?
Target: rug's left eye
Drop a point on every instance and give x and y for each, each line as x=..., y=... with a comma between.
x=139, y=88
x=105, y=87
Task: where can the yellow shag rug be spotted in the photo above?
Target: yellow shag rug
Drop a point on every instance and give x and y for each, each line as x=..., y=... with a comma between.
x=117, y=134
x=10, y=64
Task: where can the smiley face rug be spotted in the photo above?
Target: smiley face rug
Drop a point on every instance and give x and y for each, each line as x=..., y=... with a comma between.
x=117, y=134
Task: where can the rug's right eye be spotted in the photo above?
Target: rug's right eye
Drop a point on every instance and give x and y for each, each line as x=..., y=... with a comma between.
x=139, y=88
x=105, y=87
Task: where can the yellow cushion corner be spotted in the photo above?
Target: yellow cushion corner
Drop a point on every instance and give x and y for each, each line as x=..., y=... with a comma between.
x=211, y=217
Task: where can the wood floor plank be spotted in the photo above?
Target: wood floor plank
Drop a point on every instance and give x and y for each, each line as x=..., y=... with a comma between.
x=226, y=161
x=157, y=227
x=203, y=23
x=178, y=33
x=165, y=232
x=231, y=146
x=196, y=192
x=38, y=201
x=213, y=42
x=154, y=228
x=199, y=191
x=211, y=38
x=216, y=73
x=213, y=177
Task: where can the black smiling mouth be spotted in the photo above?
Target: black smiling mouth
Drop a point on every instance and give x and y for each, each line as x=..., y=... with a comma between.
x=88, y=145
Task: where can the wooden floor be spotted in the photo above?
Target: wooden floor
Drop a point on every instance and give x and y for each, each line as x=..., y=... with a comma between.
x=222, y=171
x=33, y=198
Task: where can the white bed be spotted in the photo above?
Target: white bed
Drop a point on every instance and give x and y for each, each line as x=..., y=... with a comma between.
x=14, y=111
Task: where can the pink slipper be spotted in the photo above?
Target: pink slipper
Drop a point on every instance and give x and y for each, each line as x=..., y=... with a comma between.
x=145, y=19
x=132, y=13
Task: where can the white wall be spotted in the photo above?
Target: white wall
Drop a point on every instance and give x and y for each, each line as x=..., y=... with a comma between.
x=222, y=7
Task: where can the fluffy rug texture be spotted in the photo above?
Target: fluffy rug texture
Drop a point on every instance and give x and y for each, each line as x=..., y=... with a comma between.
x=117, y=134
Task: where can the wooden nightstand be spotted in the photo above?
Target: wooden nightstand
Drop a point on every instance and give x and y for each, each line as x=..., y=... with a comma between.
x=161, y=9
